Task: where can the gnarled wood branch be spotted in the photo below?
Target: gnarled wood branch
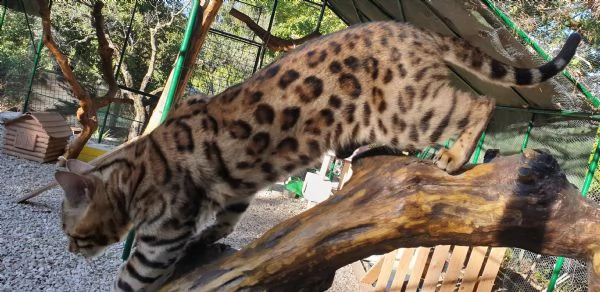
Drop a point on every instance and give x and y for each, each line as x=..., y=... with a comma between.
x=520, y=201
x=272, y=42
x=88, y=106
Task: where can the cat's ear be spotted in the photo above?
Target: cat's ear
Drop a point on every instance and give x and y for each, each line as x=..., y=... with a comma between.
x=76, y=187
x=78, y=166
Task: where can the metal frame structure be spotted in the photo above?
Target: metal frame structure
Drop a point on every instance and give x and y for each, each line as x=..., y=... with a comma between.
x=363, y=17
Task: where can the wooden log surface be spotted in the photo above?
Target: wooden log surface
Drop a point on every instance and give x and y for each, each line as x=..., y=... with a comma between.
x=390, y=202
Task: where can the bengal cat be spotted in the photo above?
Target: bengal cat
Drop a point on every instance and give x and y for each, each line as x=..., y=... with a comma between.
x=381, y=82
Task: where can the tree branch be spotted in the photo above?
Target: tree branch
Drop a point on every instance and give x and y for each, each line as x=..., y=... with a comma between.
x=60, y=58
x=520, y=201
x=272, y=42
x=106, y=53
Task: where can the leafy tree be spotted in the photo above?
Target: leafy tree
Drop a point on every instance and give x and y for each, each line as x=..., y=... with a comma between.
x=151, y=46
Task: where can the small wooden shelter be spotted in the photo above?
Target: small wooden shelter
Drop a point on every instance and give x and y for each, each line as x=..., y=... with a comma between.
x=38, y=136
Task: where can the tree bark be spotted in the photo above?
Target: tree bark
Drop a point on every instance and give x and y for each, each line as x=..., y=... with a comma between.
x=390, y=202
x=272, y=42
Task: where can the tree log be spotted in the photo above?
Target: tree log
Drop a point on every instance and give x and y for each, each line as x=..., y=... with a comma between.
x=272, y=42
x=390, y=202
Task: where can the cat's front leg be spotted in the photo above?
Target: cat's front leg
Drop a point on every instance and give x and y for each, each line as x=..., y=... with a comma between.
x=153, y=260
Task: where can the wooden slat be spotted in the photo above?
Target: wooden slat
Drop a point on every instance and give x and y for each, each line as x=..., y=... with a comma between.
x=39, y=146
x=371, y=275
x=38, y=130
x=415, y=275
x=492, y=266
x=436, y=265
x=12, y=136
x=403, y=266
x=386, y=270
x=455, y=265
x=48, y=116
x=22, y=155
x=58, y=123
x=473, y=267
x=27, y=152
x=359, y=272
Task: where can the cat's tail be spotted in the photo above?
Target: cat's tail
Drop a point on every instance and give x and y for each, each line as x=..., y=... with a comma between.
x=460, y=53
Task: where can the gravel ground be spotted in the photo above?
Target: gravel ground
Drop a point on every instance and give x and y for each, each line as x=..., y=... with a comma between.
x=33, y=252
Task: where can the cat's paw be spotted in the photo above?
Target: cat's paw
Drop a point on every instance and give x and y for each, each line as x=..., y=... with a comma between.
x=448, y=161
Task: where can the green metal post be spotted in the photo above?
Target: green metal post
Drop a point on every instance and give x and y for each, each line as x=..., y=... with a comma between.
x=589, y=177
x=171, y=93
x=3, y=13
x=36, y=60
x=477, y=152
x=527, y=133
x=594, y=100
x=180, y=58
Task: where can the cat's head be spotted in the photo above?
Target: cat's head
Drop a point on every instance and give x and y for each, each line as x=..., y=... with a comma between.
x=87, y=216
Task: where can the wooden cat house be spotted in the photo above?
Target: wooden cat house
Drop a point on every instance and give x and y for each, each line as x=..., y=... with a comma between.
x=38, y=136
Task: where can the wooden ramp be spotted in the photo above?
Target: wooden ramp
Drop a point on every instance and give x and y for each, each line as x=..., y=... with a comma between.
x=443, y=268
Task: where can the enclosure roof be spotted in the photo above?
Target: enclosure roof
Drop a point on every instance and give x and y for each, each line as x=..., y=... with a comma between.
x=474, y=22
x=29, y=6
x=52, y=123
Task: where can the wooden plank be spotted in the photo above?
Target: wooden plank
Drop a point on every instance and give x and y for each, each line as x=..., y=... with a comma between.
x=473, y=267
x=417, y=272
x=58, y=123
x=22, y=155
x=455, y=266
x=48, y=116
x=12, y=136
x=371, y=275
x=39, y=147
x=38, y=130
x=24, y=151
x=402, y=269
x=358, y=269
x=436, y=265
x=386, y=270
x=490, y=271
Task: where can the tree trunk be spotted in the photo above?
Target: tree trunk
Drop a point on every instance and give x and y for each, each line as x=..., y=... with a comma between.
x=140, y=117
x=390, y=202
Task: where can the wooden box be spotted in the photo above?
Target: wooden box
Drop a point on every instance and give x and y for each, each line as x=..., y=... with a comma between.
x=38, y=136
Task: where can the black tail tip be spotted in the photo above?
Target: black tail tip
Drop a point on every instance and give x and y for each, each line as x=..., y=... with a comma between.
x=574, y=39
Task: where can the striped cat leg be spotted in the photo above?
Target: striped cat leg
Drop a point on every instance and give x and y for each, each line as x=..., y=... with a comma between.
x=225, y=222
x=471, y=125
x=153, y=260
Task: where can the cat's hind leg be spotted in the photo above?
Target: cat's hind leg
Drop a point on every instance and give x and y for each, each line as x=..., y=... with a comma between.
x=225, y=221
x=472, y=123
